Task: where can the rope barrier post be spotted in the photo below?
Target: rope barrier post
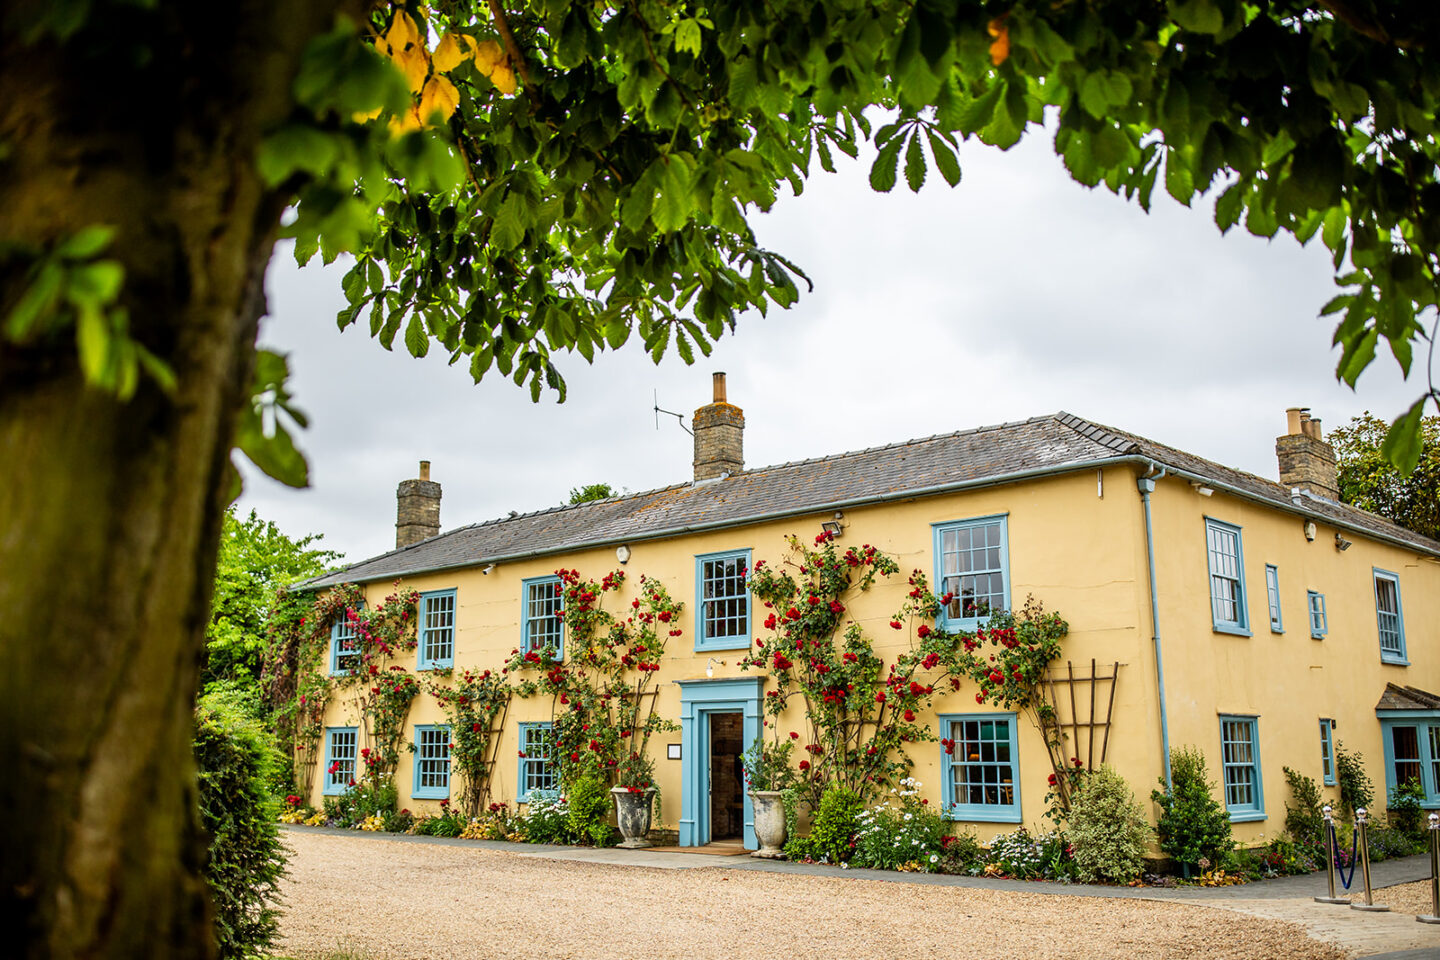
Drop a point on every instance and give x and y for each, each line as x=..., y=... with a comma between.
x=1434, y=915
x=1331, y=855
x=1369, y=905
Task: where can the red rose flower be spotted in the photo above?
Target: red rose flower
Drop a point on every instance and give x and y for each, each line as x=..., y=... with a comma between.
x=804, y=764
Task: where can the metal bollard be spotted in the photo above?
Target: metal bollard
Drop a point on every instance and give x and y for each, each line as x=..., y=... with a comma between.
x=1331, y=854
x=1434, y=915
x=1369, y=904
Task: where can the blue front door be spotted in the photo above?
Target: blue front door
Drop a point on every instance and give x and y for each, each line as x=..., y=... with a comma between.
x=699, y=701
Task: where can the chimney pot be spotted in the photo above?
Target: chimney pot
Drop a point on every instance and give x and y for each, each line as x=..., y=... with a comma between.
x=719, y=379
x=1307, y=462
x=424, y=469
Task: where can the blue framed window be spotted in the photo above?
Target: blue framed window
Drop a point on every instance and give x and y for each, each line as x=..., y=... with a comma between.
x=1412, y=752
x=437, y=629
x=1389, y=617
x=1327, y=751
x=341, y=745
x=980, y=776
x=722, y=601
x=972, y=565
x=432, y=763
x=345, y=644
x=1223, y=546
x=541, y=623
x=537, y=762
x=1240, y=761
x=1315, y=603
x=1272, y=591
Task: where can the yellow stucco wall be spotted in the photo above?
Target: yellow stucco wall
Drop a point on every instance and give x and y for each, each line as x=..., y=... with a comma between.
x=1078, y=545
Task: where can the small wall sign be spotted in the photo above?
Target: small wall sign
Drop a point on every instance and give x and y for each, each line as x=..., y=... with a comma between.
x=672, y=751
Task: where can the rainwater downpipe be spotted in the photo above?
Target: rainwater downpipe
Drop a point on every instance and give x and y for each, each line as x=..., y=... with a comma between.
x=1146, y=485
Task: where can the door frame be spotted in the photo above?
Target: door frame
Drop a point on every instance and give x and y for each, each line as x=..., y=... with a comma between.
x=699, y=699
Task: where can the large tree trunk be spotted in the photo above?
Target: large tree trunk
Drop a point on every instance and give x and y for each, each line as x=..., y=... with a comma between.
x=109, y=511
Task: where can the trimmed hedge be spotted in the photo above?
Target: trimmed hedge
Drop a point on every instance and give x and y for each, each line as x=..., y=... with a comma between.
x=235, y=757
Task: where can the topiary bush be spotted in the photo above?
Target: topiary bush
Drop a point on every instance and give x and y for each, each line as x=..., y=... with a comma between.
x=589, y=809
x=1193, y=826
x=1356, y=791
x=1107, y=829
x=832, y=835
x=235, y=758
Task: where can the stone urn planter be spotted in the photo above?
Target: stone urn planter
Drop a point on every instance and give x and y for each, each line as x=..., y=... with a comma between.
x=769, y=823
x=632, y=814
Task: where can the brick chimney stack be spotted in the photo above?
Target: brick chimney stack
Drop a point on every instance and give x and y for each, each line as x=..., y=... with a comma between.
x=1306, y=461
x=417, y=508
x=719, y=437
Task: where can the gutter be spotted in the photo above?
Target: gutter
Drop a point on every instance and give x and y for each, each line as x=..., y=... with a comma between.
x=1137, y=460
x=1146, y=485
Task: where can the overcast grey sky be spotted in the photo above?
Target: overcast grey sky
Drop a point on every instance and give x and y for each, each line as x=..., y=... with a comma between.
x=1016, y=294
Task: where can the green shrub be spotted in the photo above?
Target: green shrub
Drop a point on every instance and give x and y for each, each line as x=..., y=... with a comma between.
x=589, y=809
x=1108, y=829
x=235, y=758
x=1406, y=812
x=1304, y=813
x=1386, y=842
x=365, y=800
x=1193, y=825
x=398, y=821
x=832, y=835
x=1356, y=790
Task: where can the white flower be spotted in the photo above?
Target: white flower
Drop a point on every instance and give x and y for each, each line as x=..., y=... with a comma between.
x=934, y=858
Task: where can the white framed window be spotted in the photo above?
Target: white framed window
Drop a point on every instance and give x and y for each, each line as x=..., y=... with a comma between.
x=1388, y=616
x=1240, y=761
x=972, y=566
x=437, y=629
x=1319, y=624
x=541, y=623
x=341, y=745
x=1272, y=591
x=981, y=770
x=537, y=761
x=722, y=601
x=432, y=762
x=1225, y=551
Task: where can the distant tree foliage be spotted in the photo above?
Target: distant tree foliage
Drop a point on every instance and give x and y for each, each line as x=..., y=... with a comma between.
x=592, y=491
x=1371, y=482
x=256, y=559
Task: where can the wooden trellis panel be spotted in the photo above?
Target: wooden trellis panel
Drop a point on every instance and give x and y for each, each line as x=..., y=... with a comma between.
x=1081, y=704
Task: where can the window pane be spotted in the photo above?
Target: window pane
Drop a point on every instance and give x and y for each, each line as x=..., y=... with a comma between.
x=1406, y=744
x=543, y=624
x=437, y=627
x=724, y=597
x=981, y=766
x=1237, y=748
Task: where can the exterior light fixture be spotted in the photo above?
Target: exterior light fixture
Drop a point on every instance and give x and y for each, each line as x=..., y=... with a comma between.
x=1341, y=543
x=1310, y=530
x=710, y=666
x=622, y=553
x=832, y=527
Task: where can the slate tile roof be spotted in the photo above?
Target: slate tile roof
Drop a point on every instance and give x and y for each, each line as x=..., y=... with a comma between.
x=1397, y=697
x=997, y=454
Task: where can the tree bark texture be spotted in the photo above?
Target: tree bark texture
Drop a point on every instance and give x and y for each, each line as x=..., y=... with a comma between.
x=109, y=511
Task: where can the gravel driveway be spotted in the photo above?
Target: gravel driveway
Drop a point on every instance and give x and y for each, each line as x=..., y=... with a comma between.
x=377, y=898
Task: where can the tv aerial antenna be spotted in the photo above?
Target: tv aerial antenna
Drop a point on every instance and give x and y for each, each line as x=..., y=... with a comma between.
x=669, y=413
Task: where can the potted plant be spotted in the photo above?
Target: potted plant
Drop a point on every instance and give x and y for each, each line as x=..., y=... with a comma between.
x=768, y=774
x=633, y=796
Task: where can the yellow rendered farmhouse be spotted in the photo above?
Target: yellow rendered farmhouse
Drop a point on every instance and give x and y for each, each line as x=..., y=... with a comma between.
x=1261, y=622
